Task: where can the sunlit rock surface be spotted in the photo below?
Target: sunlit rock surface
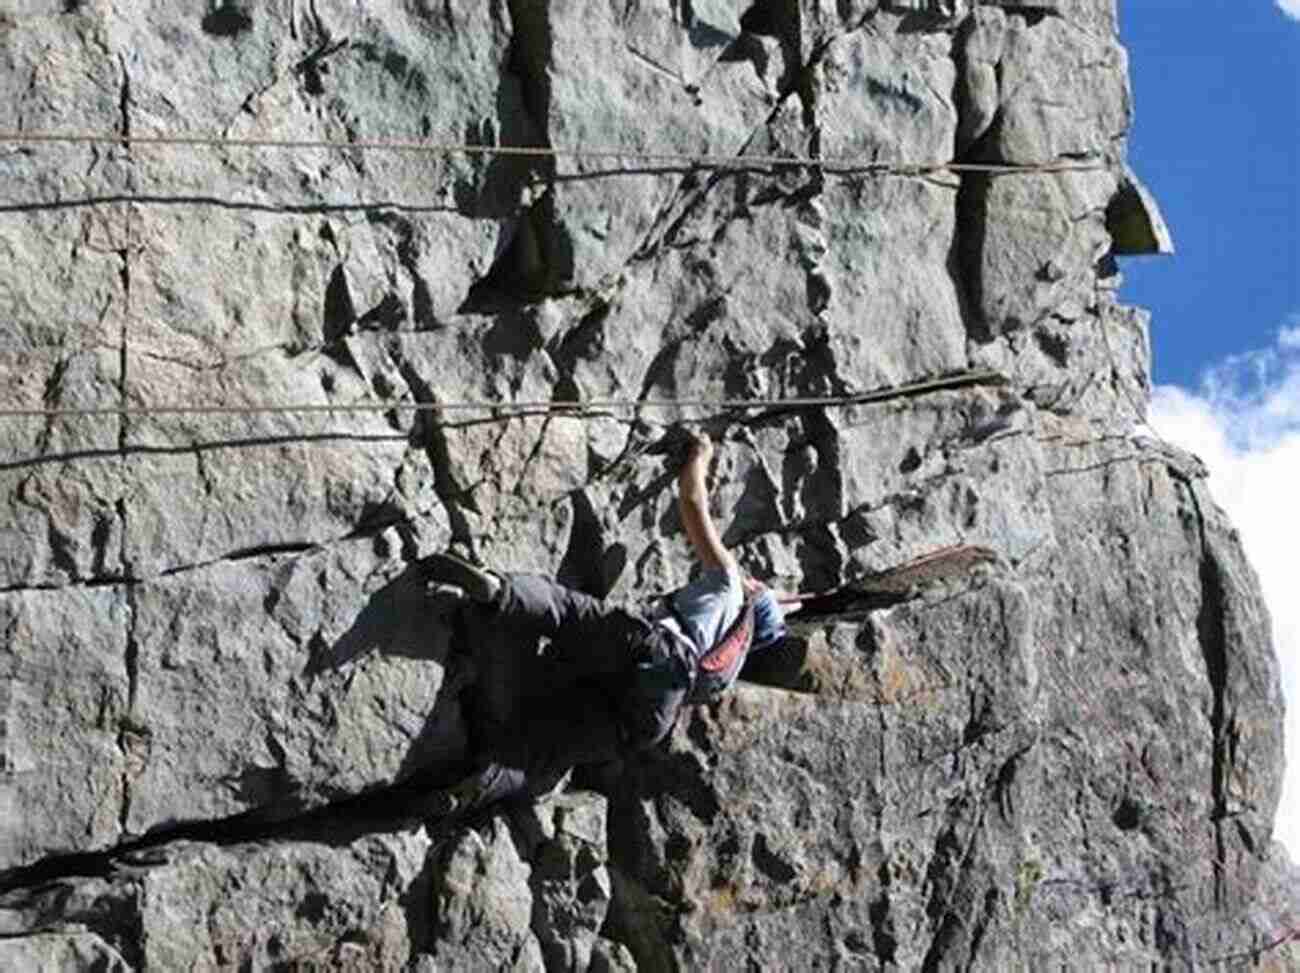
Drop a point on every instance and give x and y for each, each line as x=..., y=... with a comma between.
x=214, y=635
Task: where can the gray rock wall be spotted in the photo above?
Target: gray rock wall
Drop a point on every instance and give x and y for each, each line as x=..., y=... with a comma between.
x=212, y=626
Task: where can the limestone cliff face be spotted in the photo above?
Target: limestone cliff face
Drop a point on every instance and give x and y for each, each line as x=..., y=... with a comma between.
x=213, y=639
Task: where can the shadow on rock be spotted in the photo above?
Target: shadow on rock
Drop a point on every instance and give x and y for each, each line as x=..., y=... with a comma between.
x=403, y=618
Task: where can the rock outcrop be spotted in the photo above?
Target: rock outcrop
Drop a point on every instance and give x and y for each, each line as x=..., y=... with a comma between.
x=221, y=677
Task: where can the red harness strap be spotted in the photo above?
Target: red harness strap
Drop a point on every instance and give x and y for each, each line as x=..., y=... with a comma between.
x=733, y=644
x=718, y=668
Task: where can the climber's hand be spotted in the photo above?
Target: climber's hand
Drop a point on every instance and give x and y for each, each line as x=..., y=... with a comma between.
x=700, y=449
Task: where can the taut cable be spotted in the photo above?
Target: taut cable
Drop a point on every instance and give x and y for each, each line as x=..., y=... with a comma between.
x=848, y=164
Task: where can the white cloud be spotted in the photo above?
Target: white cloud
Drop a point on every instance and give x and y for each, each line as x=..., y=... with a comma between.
x=1244, y=423
x=1290, y=7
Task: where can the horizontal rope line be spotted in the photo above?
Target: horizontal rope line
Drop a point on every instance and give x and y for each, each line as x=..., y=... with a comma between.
x=536, y=405
x=848, y=163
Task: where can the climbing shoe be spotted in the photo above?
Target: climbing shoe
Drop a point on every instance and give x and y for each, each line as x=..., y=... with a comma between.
x=469, y=794
x=439, y=804
x=447, y=568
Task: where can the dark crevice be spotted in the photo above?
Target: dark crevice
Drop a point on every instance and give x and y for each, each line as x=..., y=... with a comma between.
x=529, y=59
x=765, y=18
x=883, y=935
x=60, y=550
x=17, y=589
x=267, y=550
x=388, y=315
x=1053, y=345
x=1210, y=632
x=129, y=736
x=124, y=276
x=124, y=271
x=968, y=122
x=250, y=553
x=972, y=146
x=51, y=399
x=99, y=538
x=227, y=20
x=1212, y=638
x=585, y=341
x=124, y=100
x=422, y=311
x=428, y=433
x=1034, y=14
x=313, y=68
x=965, y=261
x=769, y=864
x=1004, y=783
x=979, y=927
x=535, y=255
x=1127, y=815
x=941, y=878
x=537, y=261
x=123, y=425
x=339, y=312
x=784, y=21
x=375, y=518
x=408, y=255
x=106, y=581
x=1247, y=839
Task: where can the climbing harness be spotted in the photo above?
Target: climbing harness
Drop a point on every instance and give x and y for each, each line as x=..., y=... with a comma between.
x=717, y=669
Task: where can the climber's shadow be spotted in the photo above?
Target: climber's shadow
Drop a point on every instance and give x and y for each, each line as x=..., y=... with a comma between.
x=489, y=672
x=497, y=666
x=403, y=618
x=781, y=666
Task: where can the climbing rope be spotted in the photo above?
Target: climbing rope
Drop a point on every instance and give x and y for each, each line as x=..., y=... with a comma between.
x=847, y=164
x=958, y=380
x=860, y=164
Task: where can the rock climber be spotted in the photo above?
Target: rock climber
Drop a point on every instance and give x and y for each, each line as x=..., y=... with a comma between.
x=613, y=679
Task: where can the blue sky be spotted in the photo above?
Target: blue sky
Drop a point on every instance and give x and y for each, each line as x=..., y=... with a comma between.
x=1217, y=140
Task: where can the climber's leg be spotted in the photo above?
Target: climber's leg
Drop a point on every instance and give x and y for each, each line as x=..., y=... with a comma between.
x=535, y=605
x=487, y=785
x=532, y=605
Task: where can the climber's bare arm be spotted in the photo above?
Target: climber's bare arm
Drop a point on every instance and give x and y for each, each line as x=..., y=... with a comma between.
x=693, y=504
x=788, y=600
